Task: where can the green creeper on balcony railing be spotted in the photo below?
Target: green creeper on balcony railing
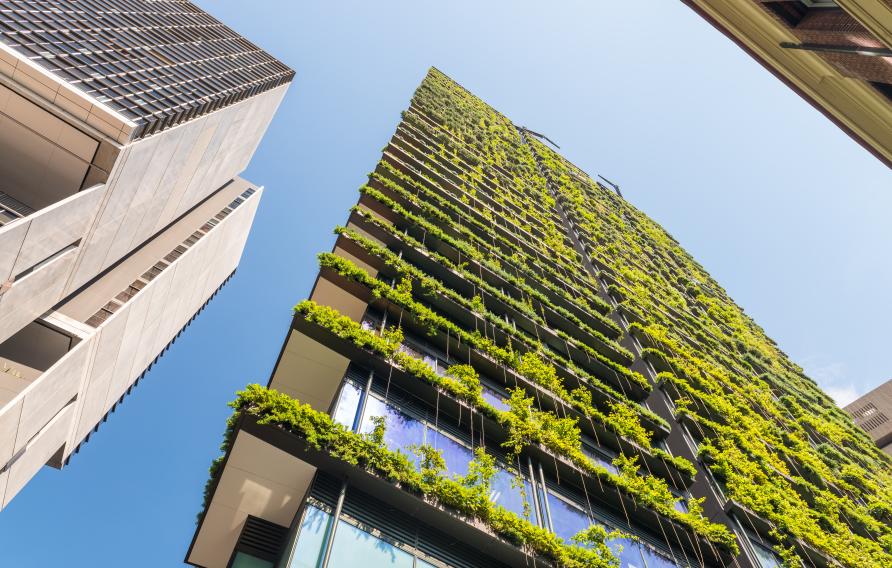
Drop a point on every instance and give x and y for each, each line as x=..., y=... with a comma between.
x=524, y=424
x=468, y=494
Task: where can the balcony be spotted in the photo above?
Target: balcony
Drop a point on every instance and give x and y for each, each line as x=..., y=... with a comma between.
x=37, y=249
x=41, y=368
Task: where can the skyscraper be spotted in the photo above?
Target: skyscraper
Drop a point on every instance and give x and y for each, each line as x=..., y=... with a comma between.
x=873, y=413
x=836, y=54
x=504, y=363
x=123, y=128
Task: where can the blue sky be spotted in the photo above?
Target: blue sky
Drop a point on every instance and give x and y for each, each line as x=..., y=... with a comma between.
x=784, y=210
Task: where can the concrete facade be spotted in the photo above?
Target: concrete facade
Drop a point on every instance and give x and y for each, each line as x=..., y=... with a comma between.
x=116, y=228
x=873, y=413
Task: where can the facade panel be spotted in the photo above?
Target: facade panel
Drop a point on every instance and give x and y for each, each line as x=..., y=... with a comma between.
x=873, y=413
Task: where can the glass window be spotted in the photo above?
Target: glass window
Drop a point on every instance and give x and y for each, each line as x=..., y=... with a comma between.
x=348, y=404
x=243, y=560
x=600, y=459
x=456, y=456
x=627, y=551
x=495, y=399
x=401, y=431
x=681, y=505
x=310, y=539
x=354, y=547
x=566, y=519
x=766, y=557
x=655, y=560
x=505, y=492
x=431, y=361
x=410, y=350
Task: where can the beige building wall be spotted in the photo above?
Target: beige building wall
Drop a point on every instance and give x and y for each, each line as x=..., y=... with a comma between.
x=47, y=420
x=157, y=179
x=92, y=210
x=49, y=153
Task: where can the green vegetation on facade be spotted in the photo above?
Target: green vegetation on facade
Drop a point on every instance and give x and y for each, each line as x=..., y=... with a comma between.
x=462, y=193
x=465, y=494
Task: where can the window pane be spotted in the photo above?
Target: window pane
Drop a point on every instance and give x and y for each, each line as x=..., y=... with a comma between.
x=313, y=529
x=681, y=506
x=494, y=398
x=354, y=547
x=566, y=520
x=628, y=551
x=348, y=404
x=600, y=459
x=401, y=431
x=243, y=560
x=456, y=456
x=505, y=493
x=766, y=557
x=655, y=560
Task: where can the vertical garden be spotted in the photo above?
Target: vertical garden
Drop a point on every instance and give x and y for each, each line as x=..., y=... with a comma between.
x=587, y=317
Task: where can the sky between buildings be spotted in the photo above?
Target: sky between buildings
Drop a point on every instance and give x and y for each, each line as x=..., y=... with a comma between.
x=784, y=210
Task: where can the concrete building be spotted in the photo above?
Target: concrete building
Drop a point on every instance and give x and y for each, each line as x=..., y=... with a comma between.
x=124, y=125
x=836, y=54
x=873, y=413
x=557, y=365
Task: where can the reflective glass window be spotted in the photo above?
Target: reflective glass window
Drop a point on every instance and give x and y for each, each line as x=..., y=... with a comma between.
x=494, y=399
x=627, y=551
x=243, y=560
x=566, y=519
x=600, y=458
x=431, y=361
x=655, y=560
x=681, y=506
x=766, y=557
x=505, y=492
x=456, y=456
x=310, y=539
x=401, y=431
x=353, y=547
x=348, y=404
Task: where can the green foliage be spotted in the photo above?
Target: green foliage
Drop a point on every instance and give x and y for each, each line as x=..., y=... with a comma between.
x=464, y=190
x=524, y=423
x=467, y=495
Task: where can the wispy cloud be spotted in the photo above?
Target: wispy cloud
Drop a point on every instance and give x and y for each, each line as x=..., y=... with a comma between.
x=833, y=379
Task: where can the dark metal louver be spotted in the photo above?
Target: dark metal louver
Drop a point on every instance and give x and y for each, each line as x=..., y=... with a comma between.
x=262, y=539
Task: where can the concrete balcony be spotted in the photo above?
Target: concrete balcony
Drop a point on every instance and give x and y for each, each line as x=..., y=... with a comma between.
x=61, y=373
x=36, y=254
